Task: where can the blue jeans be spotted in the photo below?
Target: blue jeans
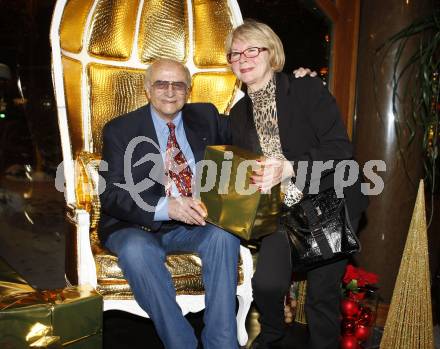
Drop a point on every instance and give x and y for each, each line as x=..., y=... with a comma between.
x=142, y=256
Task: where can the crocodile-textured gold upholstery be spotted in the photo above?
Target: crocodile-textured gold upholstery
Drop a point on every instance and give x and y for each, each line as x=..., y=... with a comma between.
x=186, y=270
x=107, y=44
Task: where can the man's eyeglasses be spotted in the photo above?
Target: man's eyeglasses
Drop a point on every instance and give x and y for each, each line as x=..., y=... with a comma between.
x=177, y=86
x=250, y=52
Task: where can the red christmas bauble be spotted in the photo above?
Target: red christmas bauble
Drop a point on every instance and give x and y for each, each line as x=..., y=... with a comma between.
x=365, y=309
x=348, y=326
x=366, y=317
x=362, y=332
x=349, y=342
x=349, y=307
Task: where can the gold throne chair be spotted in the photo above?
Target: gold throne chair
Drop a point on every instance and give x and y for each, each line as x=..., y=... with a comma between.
x=100, y=49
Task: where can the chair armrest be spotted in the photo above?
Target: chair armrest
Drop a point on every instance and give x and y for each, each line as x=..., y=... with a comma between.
x=86, y=268
x=245, y=289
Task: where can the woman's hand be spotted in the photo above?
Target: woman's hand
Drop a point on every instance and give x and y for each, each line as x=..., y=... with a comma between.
x=272, y=172
x=301, y=72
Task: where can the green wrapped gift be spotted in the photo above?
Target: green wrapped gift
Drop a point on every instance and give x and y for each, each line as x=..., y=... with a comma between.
x=70, y=317
x=232, y=202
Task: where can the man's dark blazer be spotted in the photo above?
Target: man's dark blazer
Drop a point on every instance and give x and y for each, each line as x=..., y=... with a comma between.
x=310, y=128
x=203, y=126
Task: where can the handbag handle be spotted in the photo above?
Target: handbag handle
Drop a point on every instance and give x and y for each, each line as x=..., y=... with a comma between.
x=320, y=239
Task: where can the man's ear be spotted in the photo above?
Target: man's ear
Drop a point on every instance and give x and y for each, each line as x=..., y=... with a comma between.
x=188, y=93
x=147, y=89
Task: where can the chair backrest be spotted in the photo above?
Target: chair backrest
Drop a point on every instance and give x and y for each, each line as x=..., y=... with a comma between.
x=101, y=48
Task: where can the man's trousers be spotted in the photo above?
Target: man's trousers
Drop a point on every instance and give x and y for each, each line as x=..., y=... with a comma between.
x=142, y=256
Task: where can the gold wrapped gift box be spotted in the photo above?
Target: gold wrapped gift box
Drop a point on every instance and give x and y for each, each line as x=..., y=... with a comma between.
x=70, y=317
x=232, y=202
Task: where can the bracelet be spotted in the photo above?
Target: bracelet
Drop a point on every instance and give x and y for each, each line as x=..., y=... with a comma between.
x=293, y=195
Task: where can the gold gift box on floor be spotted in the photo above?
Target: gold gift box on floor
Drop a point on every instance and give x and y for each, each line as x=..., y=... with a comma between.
x=70, y=317
x=232, y=202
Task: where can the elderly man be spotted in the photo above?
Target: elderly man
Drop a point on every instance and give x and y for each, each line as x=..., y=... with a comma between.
x=157, y=214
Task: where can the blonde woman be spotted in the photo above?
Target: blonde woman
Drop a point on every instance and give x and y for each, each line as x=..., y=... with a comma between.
x=287, y=119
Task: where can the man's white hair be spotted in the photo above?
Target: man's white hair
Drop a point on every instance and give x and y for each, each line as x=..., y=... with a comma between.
x=149, y=70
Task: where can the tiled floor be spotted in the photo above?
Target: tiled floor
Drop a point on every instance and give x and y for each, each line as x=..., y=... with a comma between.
x=32, y=232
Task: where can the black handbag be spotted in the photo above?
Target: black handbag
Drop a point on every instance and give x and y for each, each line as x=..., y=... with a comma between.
x=319, y=231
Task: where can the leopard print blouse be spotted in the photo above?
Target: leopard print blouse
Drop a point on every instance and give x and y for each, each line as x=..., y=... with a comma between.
x=266, y=122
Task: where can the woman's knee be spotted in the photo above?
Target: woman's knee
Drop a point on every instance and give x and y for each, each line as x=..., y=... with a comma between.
x=266, y=286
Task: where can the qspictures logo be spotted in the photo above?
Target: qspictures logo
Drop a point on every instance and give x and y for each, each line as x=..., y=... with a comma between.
x=210, y=174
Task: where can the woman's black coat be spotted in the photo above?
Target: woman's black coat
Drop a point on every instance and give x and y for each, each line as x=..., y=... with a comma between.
x=311, y=129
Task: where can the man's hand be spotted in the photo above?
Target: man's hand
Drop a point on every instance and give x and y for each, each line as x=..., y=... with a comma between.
x=301, y=72
x=187, y=210
x=272, y=172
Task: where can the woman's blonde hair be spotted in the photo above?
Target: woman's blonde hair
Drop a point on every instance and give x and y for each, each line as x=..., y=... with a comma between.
x=252, y=30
